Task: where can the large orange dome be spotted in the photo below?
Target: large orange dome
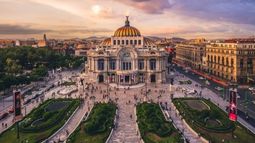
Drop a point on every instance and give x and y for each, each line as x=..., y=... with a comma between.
x=127, y=31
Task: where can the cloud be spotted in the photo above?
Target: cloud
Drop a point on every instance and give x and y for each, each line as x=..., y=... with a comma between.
x=9, y=29
x=148, y=6
x=83, y=31
x=235, y=11
x=19, y=29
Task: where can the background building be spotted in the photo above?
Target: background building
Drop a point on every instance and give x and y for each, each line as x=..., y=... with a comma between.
x=232, y=60
x=190, y=55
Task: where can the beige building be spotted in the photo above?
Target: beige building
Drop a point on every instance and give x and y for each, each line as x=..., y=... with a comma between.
x=127, y=58
x=232, y=60
x=190, y=55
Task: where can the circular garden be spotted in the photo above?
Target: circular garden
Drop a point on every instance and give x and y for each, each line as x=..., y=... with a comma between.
x=211, y=122
x=42, y=122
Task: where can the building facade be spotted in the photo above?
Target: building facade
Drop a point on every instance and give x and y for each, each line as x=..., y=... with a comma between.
x=190, y=55
x=127, y=58
x=232, y=60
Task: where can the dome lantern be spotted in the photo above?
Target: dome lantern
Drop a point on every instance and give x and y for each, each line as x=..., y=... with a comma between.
x=127, y=22
x=127, y=30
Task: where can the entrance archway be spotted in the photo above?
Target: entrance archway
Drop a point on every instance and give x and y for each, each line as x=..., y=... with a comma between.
x=100, y=78
x=153, y=78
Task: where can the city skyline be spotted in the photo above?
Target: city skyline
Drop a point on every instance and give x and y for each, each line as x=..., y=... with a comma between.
x=165, y=18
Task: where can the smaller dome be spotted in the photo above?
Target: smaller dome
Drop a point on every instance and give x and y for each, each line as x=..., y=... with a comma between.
x=106, y=42
x=127, y=31
x=148, y=42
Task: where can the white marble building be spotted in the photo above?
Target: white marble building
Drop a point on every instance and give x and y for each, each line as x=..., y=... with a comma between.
x=127, y=58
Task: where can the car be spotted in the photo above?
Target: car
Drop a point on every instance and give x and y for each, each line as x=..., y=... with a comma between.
x=219, y=88
x=201, y=78
x=4, y=115
x=192, y=91
x=11, y=110
x=27, y=101
x=251, y=88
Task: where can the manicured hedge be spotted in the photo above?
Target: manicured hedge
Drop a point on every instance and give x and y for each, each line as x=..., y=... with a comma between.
x=151, y=120
x=40, y=133
x=97, y=127
x=198, y=117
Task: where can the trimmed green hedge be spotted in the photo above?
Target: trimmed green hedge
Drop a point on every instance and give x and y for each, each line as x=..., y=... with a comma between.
x=198, y=117
x=49, y=118
x=39, y=133
x=151, y=120
x=97, y=127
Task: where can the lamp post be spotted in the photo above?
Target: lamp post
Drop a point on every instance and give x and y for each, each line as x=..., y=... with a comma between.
x=107, y=72
x=146, y=77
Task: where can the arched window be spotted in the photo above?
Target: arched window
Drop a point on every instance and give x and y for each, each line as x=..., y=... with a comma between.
x=126, y=42
x=135, y=42
x=118, y=42
x=123, y=42
x=114, y=42
x=126, y=61
x=131, y=42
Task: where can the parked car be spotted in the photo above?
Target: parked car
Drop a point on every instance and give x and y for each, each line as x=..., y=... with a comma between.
x=11, y=110
x=219, y=88
x=3, y=116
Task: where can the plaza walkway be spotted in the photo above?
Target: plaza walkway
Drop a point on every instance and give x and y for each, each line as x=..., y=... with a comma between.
x=73, y=122
x=126, y=130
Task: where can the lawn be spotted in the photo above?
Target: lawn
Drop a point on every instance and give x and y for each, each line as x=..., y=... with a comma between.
x=211, y=122
x=153, y=126
x=42, y=122
x=97, y=127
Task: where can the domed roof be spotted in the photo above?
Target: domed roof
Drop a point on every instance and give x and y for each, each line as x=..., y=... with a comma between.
x=148, y=42
x=106, y=42
x=127, y=31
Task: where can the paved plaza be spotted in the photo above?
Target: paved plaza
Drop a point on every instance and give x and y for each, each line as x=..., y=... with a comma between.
x=126, y=129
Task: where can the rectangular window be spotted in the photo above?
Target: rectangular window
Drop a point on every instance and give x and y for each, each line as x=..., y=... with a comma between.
x=241, y=63
x=135, y=42
x=126, y=42
x=153, y=64
x=118, y=42
x=250, y=66
x=123, y=42
x=131, y=42
x=139, y=42
x=100, y=64
x=141, y=64
x=112, y=64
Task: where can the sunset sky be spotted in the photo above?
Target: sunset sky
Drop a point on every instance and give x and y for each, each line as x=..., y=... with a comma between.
x=166, y=18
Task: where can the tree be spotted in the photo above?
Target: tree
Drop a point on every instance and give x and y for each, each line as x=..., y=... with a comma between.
x=12, y=67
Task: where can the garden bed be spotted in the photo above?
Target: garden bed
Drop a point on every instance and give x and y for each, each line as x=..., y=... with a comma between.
x=97, y=127
x=42, y=122
x=153, y=126
x=212, y=123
